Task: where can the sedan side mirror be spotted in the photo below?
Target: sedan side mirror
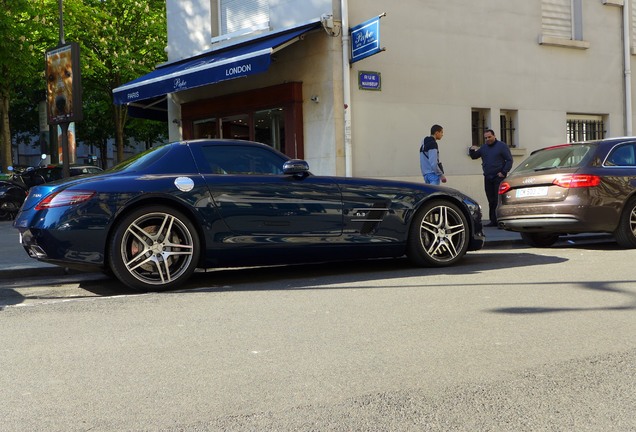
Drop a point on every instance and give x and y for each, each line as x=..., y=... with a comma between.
x=295, y=167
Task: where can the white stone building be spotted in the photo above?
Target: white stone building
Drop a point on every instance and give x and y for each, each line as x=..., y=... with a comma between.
x=538, y=72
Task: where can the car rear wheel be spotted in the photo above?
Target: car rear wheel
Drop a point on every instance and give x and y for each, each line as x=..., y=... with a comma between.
x=438, y=235
x=625, y=234
x=9, y=209
x=539, y=239
x=154, y=248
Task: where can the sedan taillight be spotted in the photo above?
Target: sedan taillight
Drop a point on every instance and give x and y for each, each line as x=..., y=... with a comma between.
x=577, y=181
x=64, y=198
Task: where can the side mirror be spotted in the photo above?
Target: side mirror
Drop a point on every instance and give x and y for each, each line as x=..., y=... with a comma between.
x=295, y=167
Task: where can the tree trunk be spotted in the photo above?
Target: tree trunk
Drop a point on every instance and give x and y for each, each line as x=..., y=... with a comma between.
x=6, y=158
x=120, y=113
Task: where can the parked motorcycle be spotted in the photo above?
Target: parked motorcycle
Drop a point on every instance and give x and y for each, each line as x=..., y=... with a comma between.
x=13, y=192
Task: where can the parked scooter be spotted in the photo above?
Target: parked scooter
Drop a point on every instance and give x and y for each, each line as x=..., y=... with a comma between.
x=13, y=192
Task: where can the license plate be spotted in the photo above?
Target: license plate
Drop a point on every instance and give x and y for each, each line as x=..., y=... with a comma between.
x=532, y=192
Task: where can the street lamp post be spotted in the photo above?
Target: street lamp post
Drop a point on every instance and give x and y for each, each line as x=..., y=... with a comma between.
x=64, y=126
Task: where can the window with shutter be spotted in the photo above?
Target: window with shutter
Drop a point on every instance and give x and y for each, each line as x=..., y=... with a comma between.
x=633, y=6
x=243, y=15
x=562, y=23
x=556, y=18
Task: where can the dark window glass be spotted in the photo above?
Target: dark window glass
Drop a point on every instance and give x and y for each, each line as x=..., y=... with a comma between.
x=621, y=156
x=237, y=159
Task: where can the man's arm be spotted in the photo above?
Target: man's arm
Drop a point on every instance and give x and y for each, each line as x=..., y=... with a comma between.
x=474, y=152
x=507, y=156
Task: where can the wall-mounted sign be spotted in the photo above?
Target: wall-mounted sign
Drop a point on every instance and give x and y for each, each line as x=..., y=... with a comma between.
x=369, y=80
x=365, y=39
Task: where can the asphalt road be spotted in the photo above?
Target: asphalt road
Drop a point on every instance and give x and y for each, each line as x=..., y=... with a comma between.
x=513, y=339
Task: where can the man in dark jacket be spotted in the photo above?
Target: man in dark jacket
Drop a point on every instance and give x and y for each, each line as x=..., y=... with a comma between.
x=496, y=162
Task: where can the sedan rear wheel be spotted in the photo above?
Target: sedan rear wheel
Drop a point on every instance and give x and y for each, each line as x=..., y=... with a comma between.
x=539, y=239
x=625, y=234
x=438, y=235
x=155, y=248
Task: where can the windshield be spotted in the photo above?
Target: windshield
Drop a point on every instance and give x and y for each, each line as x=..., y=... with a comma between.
x=564, y=156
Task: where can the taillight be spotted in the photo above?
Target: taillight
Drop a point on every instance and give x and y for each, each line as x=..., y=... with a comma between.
x=504, y=187
x=577, y=181
x=64, y=198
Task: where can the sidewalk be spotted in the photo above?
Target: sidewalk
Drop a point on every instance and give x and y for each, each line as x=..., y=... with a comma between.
x=15, y=263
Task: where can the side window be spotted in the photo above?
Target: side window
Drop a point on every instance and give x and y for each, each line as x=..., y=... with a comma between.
x=237, y=159
x=622, y=156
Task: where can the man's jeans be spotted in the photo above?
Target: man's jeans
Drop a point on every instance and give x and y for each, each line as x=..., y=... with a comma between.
x=432, y=178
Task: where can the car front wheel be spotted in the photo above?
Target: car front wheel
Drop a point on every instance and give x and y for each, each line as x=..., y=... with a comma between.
x=625, y=234
x=154, y=248
x=438, y=235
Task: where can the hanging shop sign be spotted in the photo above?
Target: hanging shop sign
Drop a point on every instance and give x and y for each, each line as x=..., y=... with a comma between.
x=365, y=39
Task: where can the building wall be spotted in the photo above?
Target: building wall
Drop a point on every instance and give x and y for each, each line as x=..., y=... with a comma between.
x=443, y=58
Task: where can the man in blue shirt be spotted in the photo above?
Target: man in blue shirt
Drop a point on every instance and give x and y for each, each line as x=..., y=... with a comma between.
x=429, y=157
x=496, y=162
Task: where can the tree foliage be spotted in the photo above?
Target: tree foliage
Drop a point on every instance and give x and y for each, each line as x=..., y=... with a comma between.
x=119, y=41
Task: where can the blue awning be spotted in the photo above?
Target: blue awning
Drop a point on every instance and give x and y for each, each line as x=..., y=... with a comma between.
x=245, y=59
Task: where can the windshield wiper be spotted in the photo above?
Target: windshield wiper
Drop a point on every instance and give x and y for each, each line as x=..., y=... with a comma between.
x=545, y=168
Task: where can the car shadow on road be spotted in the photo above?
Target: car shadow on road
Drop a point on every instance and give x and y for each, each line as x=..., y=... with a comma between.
x=326, y=275
x=354, y=273
x=339, y=275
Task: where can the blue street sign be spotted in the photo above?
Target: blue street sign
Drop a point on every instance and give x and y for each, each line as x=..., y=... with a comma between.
x=365, y=39
x=369, y=80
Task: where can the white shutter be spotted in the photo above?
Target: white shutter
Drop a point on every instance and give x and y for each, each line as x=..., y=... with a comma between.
x=556, y=18
x=237, y=15
x=633, y=6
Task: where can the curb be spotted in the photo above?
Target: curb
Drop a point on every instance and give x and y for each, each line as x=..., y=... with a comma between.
x=43, y=271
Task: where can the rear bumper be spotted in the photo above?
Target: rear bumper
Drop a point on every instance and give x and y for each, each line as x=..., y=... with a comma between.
x=78, y=251
x=541, y=223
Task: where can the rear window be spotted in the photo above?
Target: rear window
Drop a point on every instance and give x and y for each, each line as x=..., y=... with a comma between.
x=143, y=159
x=565, y=156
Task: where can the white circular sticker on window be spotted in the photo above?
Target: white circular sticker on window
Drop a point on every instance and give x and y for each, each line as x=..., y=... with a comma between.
x=185, y=184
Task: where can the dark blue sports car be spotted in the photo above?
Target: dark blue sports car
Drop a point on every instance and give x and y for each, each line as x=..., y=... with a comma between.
x=154, y=219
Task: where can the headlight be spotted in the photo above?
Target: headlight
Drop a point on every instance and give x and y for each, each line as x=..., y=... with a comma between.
x=473, y=206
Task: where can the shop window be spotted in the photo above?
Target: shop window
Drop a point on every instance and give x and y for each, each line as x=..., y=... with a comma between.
x=235, y=127
x=271, y=115
x=206, y=128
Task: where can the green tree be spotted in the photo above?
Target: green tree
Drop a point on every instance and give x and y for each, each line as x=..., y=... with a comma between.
x=21, y=64
x=119, y=41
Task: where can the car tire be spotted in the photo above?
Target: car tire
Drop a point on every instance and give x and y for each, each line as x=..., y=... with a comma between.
x=625, y=233
x=154, y=248
x=438, y=235
x=9, y=209
x=539, y=239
